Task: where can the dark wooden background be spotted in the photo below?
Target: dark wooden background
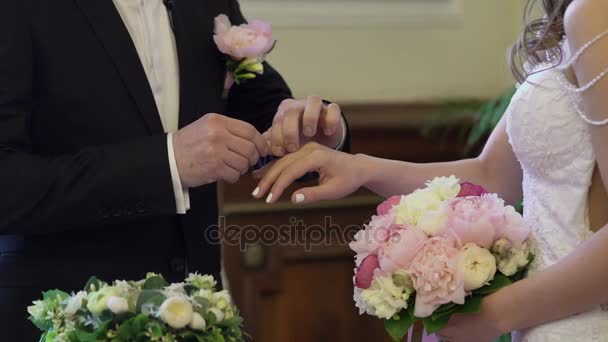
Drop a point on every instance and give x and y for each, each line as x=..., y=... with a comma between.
x=287, y=292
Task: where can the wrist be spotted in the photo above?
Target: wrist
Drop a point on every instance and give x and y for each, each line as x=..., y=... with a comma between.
x=496, y=314
x=364, y=169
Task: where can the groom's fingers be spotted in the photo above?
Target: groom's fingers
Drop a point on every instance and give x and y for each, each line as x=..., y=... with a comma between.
x=248, y=132
x=291, y=130
x=312, y=112
x=276, y=137
x=331, y=119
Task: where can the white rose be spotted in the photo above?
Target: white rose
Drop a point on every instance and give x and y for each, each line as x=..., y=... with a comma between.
x=513, y=260
x=198, y=322
x=75, y=303
x=386, y=296
x=118, y=305
x=219, y=315
x=445, y=187
x=477, y=266
x=97, y=301
x=176, y=312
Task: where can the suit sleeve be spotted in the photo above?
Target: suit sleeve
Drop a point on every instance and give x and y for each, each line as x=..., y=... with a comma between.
x=97, y=185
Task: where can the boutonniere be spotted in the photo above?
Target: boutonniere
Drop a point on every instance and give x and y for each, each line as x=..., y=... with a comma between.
x=245, y=46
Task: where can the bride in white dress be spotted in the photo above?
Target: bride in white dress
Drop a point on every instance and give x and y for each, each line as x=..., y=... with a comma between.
x=552, y=138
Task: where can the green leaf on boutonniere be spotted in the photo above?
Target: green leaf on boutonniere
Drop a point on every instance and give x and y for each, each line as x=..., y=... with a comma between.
x=432, y=326
x=155, y=283
x=398, y=326
x=498, y=283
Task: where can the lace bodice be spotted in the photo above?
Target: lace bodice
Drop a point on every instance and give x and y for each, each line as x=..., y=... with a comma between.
x=553, y=145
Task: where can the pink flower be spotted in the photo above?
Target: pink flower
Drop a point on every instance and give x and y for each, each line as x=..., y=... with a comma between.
x=512, y=226
x=252, y=40
x=474, y=219
x=387, y=205
x=401, y=248
x=435, y=274
x=469, y=189
x=374, y=236
x=365, y=272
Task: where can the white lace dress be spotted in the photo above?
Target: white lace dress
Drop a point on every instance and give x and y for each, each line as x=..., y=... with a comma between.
x=553, y=144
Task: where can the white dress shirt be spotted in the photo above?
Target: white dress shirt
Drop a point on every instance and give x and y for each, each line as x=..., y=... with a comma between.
x=148, y=24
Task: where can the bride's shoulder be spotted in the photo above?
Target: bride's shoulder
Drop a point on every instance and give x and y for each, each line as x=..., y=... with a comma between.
x=585, y=19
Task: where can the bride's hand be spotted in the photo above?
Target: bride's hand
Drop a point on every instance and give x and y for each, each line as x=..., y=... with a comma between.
x=477, y=327
x=339, y=175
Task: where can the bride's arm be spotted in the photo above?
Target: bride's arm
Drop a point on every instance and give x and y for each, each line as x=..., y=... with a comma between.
x=496, y=169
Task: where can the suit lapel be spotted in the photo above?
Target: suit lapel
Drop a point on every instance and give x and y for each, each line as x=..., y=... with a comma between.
x=111, y=31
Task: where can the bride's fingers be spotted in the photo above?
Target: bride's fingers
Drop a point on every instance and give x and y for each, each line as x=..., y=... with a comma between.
x=326, y=191
x=272, y=173
x=290, y=174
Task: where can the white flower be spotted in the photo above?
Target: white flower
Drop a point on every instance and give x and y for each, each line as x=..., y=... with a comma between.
x=175, y=289
x=433, y=222
x=36, y=310
x=176, y=312
x=123, y=287
x=445, y=187
x=423, y=208
x=219, y=315
x=118, y=305
x=74, y=303
x=201, y=281
x=386, y=296
x=221, y=300
x=97, y=301
x=502, y=246
x=514, y=259
x=198, y=322
x=477, y=266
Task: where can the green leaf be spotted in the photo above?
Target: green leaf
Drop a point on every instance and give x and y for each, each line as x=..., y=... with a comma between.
x=191, y=289
x=149, y=297
x=155, y=283
x=472, y=304
x=54, y=295
x=498, y=283
x=504, y=338
x=93, y=282
x=398, y=326
x=432, y=326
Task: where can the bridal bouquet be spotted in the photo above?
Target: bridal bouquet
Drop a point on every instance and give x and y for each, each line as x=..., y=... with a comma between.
x=145, y=310
x=437, y=252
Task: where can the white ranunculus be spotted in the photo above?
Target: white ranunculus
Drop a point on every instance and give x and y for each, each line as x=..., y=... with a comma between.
x=176, y=312
x=219, y=315
x=75, y=303
x=477, y=266
x=445, y=187
x=513, y=260
x=118, y=305
x=502, y=247
x=97, y=301
x=198, y=322
x=386, y=296
x=413, y=206
x=36, y=310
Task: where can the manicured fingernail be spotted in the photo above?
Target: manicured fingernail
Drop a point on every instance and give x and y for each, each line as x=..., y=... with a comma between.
x=255, y=192
x=269, y=198
x=300, y=198
x=308, y=131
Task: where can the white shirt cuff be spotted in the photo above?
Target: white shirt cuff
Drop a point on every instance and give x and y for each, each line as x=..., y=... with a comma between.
x=182, y=196
x=343, y=140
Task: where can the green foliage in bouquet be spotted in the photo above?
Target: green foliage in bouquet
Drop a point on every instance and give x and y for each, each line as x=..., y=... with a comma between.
x=138, y=311
x=398, y=326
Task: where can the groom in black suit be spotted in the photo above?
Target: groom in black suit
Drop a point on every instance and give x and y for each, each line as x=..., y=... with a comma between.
x=90, y=181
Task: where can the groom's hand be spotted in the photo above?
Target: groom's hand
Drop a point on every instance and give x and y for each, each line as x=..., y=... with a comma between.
x=216, y=147
x=298, y=122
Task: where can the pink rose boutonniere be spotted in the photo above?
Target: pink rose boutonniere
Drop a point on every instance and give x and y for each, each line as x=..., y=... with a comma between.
x=246, y=47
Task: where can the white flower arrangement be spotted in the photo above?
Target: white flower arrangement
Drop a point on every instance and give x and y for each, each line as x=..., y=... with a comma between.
x=147, y=310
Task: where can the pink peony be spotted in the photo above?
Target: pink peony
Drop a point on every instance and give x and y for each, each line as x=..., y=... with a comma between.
x=387, y=205
x=401, y=248
x=374, y=236
x=511, y=226
x=436, y=279
x=365, y=272
x=469, y=189
x=473, y=219
x=252, y=40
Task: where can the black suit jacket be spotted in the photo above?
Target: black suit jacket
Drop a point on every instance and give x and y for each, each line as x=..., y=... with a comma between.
x=84, y=173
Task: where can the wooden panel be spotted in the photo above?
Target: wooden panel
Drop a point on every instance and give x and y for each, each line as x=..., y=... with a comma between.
x=290, y=268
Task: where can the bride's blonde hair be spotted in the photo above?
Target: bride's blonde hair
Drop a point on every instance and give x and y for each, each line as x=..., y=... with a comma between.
x=540, y=38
